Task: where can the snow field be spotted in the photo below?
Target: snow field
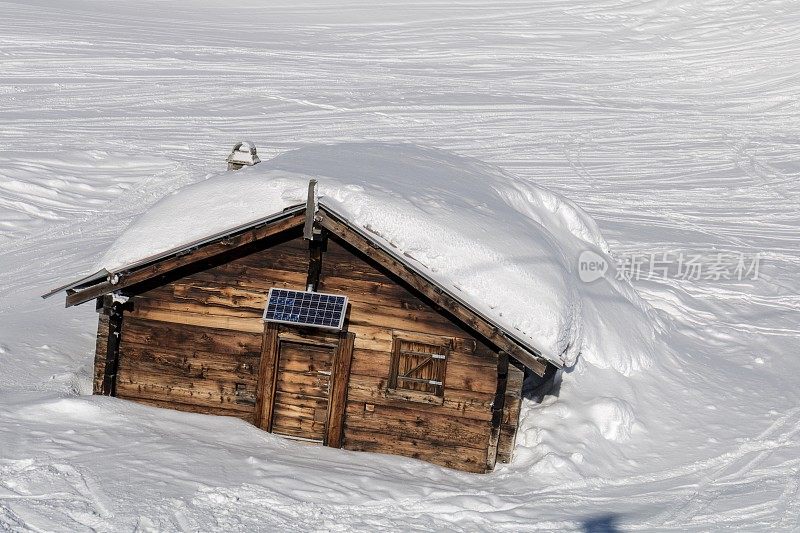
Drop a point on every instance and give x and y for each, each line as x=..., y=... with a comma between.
x=673, y=125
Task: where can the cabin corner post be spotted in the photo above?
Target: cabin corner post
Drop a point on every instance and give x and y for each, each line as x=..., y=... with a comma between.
x=109, y=386
x=511, y=413
x=498, y=406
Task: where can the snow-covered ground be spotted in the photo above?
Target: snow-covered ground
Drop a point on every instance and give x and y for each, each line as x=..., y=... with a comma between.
x=675, y=125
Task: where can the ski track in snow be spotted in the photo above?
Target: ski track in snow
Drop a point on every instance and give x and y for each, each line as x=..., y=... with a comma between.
x=675, y=125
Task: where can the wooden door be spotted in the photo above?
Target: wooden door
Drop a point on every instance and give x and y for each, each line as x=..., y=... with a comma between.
x=302, y=384
x=302, y=389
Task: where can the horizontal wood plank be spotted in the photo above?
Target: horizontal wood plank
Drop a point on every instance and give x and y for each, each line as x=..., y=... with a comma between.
x=186, y=336
x=295, y=383
x=225, y=390
x=456, y=457
x=340, y=262
x=242, y=324
x=296, y=412
x=191, y=408
x=249, y=278
x=435, y=428
x=300, y=400
x=176, y=305
x=141, y=386
x=191, y=363
x=295, y=427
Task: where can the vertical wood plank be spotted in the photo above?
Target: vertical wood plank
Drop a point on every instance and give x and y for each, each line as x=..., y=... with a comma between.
x=511, y=413
x=265, y=391
x=311, y=211
x=497, y=410
x=100, y=354
x=315, y=250
x=109, y=387
x=338, y=395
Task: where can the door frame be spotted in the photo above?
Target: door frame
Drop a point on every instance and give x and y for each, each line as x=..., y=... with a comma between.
x=339, y=379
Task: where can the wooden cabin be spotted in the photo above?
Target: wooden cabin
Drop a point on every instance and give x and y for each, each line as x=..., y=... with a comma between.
x=413, y=370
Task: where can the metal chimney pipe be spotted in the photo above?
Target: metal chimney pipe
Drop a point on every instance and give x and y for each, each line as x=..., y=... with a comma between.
x=243, y=154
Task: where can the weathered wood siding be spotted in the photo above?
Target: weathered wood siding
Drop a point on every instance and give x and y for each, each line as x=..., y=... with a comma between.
x=511, y=410
x=195, y=344
x=100, y=352
x=454, y=434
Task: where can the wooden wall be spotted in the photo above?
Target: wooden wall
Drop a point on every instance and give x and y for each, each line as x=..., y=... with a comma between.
x=194, y=344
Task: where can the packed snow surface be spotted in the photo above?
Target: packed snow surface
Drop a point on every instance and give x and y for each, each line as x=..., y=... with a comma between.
x=505, y=245
x=674, y=125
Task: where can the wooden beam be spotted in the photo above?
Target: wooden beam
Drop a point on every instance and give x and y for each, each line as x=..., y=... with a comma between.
x=101, y=343
x=316, y=248
x=338, y=396
x=436, y=294
x=497, y=409
x=109, y=387
x=265, y=390
x=512, y=405
x=311, y=211
x=126, y=279
x=500, y=394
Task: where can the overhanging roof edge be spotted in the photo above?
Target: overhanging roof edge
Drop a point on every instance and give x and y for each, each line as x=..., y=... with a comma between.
x=104, y=273
x=88, y=280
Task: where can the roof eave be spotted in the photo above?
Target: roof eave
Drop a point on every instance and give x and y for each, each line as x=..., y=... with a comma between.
x=104, y=275
x=88, y=281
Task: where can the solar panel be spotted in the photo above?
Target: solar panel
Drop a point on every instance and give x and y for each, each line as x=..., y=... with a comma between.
x=306, y=308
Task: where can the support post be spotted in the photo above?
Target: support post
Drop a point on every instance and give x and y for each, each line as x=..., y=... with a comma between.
x=497, y=409
x=311, y=211
x=109, y=387
x=316, y=248
x=338, y=398
x=267, y=372
x=315, y=238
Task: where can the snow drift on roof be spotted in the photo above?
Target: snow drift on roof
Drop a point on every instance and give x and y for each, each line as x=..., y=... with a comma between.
x=506, y=246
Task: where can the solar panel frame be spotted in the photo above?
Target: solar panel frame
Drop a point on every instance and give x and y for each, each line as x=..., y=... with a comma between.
x=283, y=307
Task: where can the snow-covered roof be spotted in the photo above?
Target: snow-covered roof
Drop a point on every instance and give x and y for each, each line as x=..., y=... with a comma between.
x=505, y=246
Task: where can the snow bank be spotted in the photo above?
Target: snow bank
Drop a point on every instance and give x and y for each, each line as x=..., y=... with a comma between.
x=508, y=247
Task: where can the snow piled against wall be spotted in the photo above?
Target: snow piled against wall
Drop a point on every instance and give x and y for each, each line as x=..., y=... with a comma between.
x=508, y=247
